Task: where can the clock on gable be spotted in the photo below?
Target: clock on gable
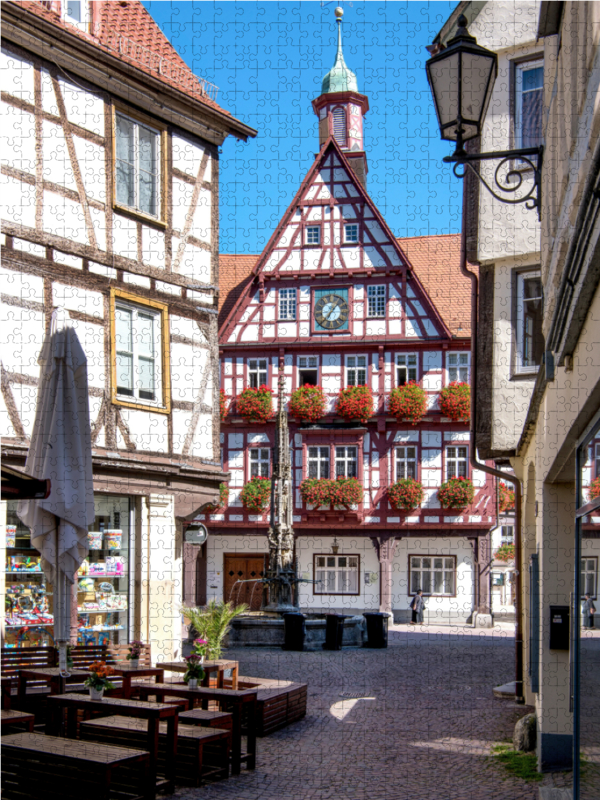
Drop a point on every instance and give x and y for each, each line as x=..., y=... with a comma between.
x=331, y=309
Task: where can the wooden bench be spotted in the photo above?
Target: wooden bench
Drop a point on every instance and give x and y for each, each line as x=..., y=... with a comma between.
x=207, y=719
x=201, y=752
x=278, y=703
x=38, y=766
x=9, y=718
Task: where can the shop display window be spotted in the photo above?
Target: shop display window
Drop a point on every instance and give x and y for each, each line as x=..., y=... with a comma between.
x=103, y=581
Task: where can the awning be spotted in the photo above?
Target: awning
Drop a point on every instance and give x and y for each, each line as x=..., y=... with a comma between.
x=17, y=485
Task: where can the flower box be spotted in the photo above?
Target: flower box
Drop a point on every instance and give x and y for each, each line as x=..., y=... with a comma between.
x=406, y=494
x=456, y=493
x=223, y=405
x=256, y=494
x=505, y=552
x=506, y=498
x=455, y=402
x=255, y=405
x=342, y=493
x=308, y=403
x=408, y=402
x=223, y=500
x=595, y=489
x=355, y=402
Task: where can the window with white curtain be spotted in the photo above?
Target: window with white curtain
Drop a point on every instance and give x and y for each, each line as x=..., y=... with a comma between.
x=346, y=462
x=457, y=460
x=260, y=460
x=336, y=574
x=406, y=462
x=138, y=343
x=137, y=166
x=433, y=575
x=318, y=462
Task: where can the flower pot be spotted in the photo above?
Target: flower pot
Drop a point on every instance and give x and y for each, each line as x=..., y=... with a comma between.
x=96, y=694
x=193, y=683
x=134, y=663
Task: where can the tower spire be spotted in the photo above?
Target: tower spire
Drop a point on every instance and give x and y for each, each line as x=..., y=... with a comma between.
x=339, y=78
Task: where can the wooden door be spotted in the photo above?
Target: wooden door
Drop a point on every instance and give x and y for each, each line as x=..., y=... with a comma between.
x=243, y=579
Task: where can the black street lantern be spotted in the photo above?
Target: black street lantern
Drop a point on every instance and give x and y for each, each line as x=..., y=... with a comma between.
x=461, y=78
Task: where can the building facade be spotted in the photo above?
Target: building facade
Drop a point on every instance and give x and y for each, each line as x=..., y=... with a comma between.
x=336, y=300
x=539, y=380
x=110, y=211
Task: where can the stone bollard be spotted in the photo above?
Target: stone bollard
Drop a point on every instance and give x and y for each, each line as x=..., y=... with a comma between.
x=525, y=733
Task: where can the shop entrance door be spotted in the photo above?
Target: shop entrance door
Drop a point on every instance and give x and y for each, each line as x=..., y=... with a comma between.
x=239, y=568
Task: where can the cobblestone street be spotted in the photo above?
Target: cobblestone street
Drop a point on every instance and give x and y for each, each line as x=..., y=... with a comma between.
x=418, y=722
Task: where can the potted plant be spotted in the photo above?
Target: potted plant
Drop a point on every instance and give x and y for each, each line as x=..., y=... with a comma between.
x=595, y=489
x=408, y=402
x=406, y=494
x=212, y=623
x=135, y=651
x=455, y=402
x=194, y=671
x=346, y=492
x=355, y=402
x=256, y=405
x=223, y=500
x=316, y=491
x=506, y=498
x=199, y=648
x=308, y=403
x=98, y=679
x=255, y=495
x=456, y=493
x=223, y=405
x=505, y=552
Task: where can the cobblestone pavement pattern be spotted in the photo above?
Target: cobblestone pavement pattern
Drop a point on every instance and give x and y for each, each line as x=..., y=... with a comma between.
x=423, y=730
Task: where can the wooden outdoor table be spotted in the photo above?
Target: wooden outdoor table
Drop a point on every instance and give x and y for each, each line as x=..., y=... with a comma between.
x=8, y=718
x=219, y=666
x=51, y=675
x=7, y=683
x=235, y=698
x=34, y=765
x=153, y=712
x=128, y=673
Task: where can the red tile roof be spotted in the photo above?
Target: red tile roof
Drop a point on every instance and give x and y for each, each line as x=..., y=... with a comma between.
x=234, y=276
x=435, y=260
x=126, y=29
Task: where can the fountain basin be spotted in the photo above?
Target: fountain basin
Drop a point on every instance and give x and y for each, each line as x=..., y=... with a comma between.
x=262, y=629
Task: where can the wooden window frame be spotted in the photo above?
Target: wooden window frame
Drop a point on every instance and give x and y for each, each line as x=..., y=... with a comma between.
x=517, y=66
x=356, y=369
x=312, y=224
x=519, y=277
x=377, y=298
x=429, y=555
x=165, y=357
x=161, y=129
x=336, y=594
x=280, y=299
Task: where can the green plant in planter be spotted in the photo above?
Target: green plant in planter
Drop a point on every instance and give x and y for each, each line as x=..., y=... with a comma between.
x=595, y=489
x=456, y=493
x=212, y=623
x=455, y=402
x=223, y=500
x=408, y=402
x=505, y=552
x=223, y=405
x=308, y=403
x=324, y=492
x=194, y=669
x=316, y=491
x=355, y=402
x=256, y=494
x=255, y=405
x=406, y=494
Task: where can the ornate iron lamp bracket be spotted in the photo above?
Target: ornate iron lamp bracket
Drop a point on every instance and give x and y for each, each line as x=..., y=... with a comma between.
x=507, y=181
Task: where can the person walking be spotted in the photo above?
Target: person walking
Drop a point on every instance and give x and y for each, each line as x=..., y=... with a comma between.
x=588, y=610
x=417, y=606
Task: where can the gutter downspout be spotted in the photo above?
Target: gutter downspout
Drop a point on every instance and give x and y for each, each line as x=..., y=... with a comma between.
x=475, y=464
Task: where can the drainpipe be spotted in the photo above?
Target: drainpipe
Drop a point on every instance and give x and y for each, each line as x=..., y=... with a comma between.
x=475, y=464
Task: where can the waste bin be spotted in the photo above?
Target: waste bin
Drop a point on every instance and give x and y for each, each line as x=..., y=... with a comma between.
x=334, y=631
x=294, y=630
x=377, y=629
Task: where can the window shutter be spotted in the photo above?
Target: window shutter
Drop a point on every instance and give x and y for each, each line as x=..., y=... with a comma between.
x=339, y=126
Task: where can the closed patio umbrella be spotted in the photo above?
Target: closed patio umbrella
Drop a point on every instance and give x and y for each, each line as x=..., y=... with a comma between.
x=61, y=450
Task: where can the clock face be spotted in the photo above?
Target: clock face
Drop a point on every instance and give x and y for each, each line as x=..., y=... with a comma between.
x=331, y=311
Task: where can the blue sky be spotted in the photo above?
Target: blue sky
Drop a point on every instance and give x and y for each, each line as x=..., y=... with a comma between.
x=268, y=60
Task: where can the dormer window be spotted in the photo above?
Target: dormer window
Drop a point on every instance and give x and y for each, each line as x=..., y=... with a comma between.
x=75, y=12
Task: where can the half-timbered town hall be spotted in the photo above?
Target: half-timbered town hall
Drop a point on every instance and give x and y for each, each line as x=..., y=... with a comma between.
x=337, y=301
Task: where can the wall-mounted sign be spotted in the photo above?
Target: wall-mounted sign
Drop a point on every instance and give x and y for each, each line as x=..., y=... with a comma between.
x=195, y=533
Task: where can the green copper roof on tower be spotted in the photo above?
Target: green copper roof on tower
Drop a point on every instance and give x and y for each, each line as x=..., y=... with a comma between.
x=339, y=78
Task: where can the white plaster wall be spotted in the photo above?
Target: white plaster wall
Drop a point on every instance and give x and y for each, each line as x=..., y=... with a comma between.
x=439, y=609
